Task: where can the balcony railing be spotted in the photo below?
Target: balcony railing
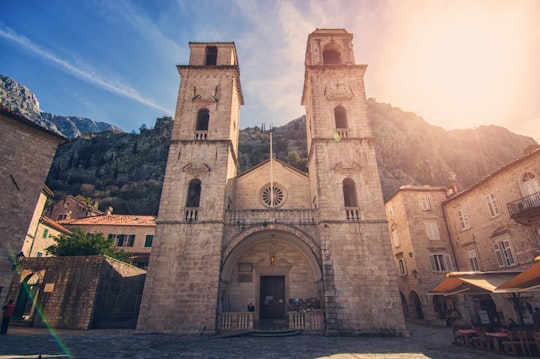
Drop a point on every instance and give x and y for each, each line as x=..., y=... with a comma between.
x=191, y=214
x=524, y=207
x=343, y=132
x=352, y=214
x=201, y=135
x=242, y=217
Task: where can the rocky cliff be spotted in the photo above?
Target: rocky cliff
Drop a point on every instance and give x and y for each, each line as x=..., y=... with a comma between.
x=126, y=171
x=20, y=99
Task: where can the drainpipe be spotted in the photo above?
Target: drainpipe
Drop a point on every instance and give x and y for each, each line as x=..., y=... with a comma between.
x=445, y=216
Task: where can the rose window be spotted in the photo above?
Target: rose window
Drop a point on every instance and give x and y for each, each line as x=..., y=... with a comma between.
x=272, y=196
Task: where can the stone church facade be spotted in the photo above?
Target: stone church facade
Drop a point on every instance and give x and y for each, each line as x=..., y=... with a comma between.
x=273, y=236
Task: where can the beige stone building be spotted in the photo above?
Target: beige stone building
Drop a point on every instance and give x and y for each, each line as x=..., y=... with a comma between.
x=46, y=230
x=310, y=251
x=422, y=250
x=495, y=226
x=26, y=154
x=42, y=229
x=131, y=233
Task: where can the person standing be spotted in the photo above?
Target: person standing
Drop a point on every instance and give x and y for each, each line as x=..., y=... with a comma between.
x=7, y=313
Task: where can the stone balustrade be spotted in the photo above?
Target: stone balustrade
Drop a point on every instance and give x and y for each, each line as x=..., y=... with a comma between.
x=201, y=135
x=307, y=321
x=242, y=217
x=235, y=321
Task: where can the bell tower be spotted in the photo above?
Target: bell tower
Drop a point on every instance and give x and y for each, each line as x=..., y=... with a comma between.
x=360, y=282
x=181, y=289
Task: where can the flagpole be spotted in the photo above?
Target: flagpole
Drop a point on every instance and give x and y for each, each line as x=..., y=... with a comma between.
x=271, y=171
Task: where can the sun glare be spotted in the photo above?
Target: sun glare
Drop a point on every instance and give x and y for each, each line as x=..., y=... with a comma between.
x=464, y=61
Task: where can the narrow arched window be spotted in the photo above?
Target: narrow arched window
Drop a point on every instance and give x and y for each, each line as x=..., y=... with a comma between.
x=340, y=116
x=349, y=193
x=331, y=57
x=530, y=184
x=203, y=117
x=194, y=193
x=211, y=56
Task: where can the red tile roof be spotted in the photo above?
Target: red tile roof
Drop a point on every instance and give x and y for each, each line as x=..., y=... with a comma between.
x=55, y=225
x=113, y=220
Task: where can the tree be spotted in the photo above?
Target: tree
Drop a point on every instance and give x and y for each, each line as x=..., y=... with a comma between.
x=81, y=243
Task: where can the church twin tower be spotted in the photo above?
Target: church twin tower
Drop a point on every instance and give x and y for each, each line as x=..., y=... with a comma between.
x=272, y=236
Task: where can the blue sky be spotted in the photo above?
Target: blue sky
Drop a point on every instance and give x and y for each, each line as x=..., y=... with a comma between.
x=458, y=64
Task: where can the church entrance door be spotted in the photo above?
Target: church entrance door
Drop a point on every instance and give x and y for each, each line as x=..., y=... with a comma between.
x=272, y=297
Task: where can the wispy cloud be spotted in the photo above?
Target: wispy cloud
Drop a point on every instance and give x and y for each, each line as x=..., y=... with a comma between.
x=83, y=73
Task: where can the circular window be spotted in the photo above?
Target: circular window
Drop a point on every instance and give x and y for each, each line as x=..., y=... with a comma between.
x=273, y=196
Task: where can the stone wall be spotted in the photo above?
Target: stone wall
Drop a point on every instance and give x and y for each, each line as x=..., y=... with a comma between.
x=75, y=292
x=26, y=154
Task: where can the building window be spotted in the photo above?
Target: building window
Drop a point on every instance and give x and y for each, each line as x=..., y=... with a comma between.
x=426, y=203
x=272, y=196
x=473, y=259
x=211, y=56
x=395, y=238
x=340, y=117
x=123, y=240
x=492, y=205
x=45, y=232
x=504, y=253
x=530, y=184
x=39, y=254
x=61, y=217
x=402, y=267
x=331, y=57
x=349, y=193
x=432, y=230
x=203, y=117
x=148, y=240
x=390, y=211
x=194, y=193
x=440, y=263
x=463, y=219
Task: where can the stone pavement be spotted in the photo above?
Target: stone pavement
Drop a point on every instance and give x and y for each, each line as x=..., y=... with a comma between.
x=424, y=342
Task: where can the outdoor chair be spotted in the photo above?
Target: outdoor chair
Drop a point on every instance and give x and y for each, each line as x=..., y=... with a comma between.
x=480, y=341
x=512, y=345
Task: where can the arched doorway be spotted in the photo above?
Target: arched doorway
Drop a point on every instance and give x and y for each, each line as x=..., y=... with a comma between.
x=275, y=270
x=25, y=304
x=416, y=303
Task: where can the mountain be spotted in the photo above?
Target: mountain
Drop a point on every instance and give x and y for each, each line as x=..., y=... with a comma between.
x=20, y=99
x=411, y=151
x=126, y=171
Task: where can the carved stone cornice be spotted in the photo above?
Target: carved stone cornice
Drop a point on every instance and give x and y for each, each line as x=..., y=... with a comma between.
x=196, y=169
x=347, y=168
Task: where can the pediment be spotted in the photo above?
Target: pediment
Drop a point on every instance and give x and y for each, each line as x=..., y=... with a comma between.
x=195, y=169
x=205, y=98
x=347, y=167
x=337, y=90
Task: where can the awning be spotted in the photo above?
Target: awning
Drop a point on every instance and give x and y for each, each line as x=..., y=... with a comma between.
x=528, y=280
x=471, y=283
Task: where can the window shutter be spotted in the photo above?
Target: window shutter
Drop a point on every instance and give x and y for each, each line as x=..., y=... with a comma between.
x=448, y=263
x=433, y=263
x=498, y=254
x=509, y=255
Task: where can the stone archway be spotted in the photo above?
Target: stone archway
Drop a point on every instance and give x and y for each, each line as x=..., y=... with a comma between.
x=416, y=304
x=27, y=298
x=273, y=254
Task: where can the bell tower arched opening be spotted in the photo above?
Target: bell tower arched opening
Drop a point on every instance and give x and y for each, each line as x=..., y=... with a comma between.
x=331, y=57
